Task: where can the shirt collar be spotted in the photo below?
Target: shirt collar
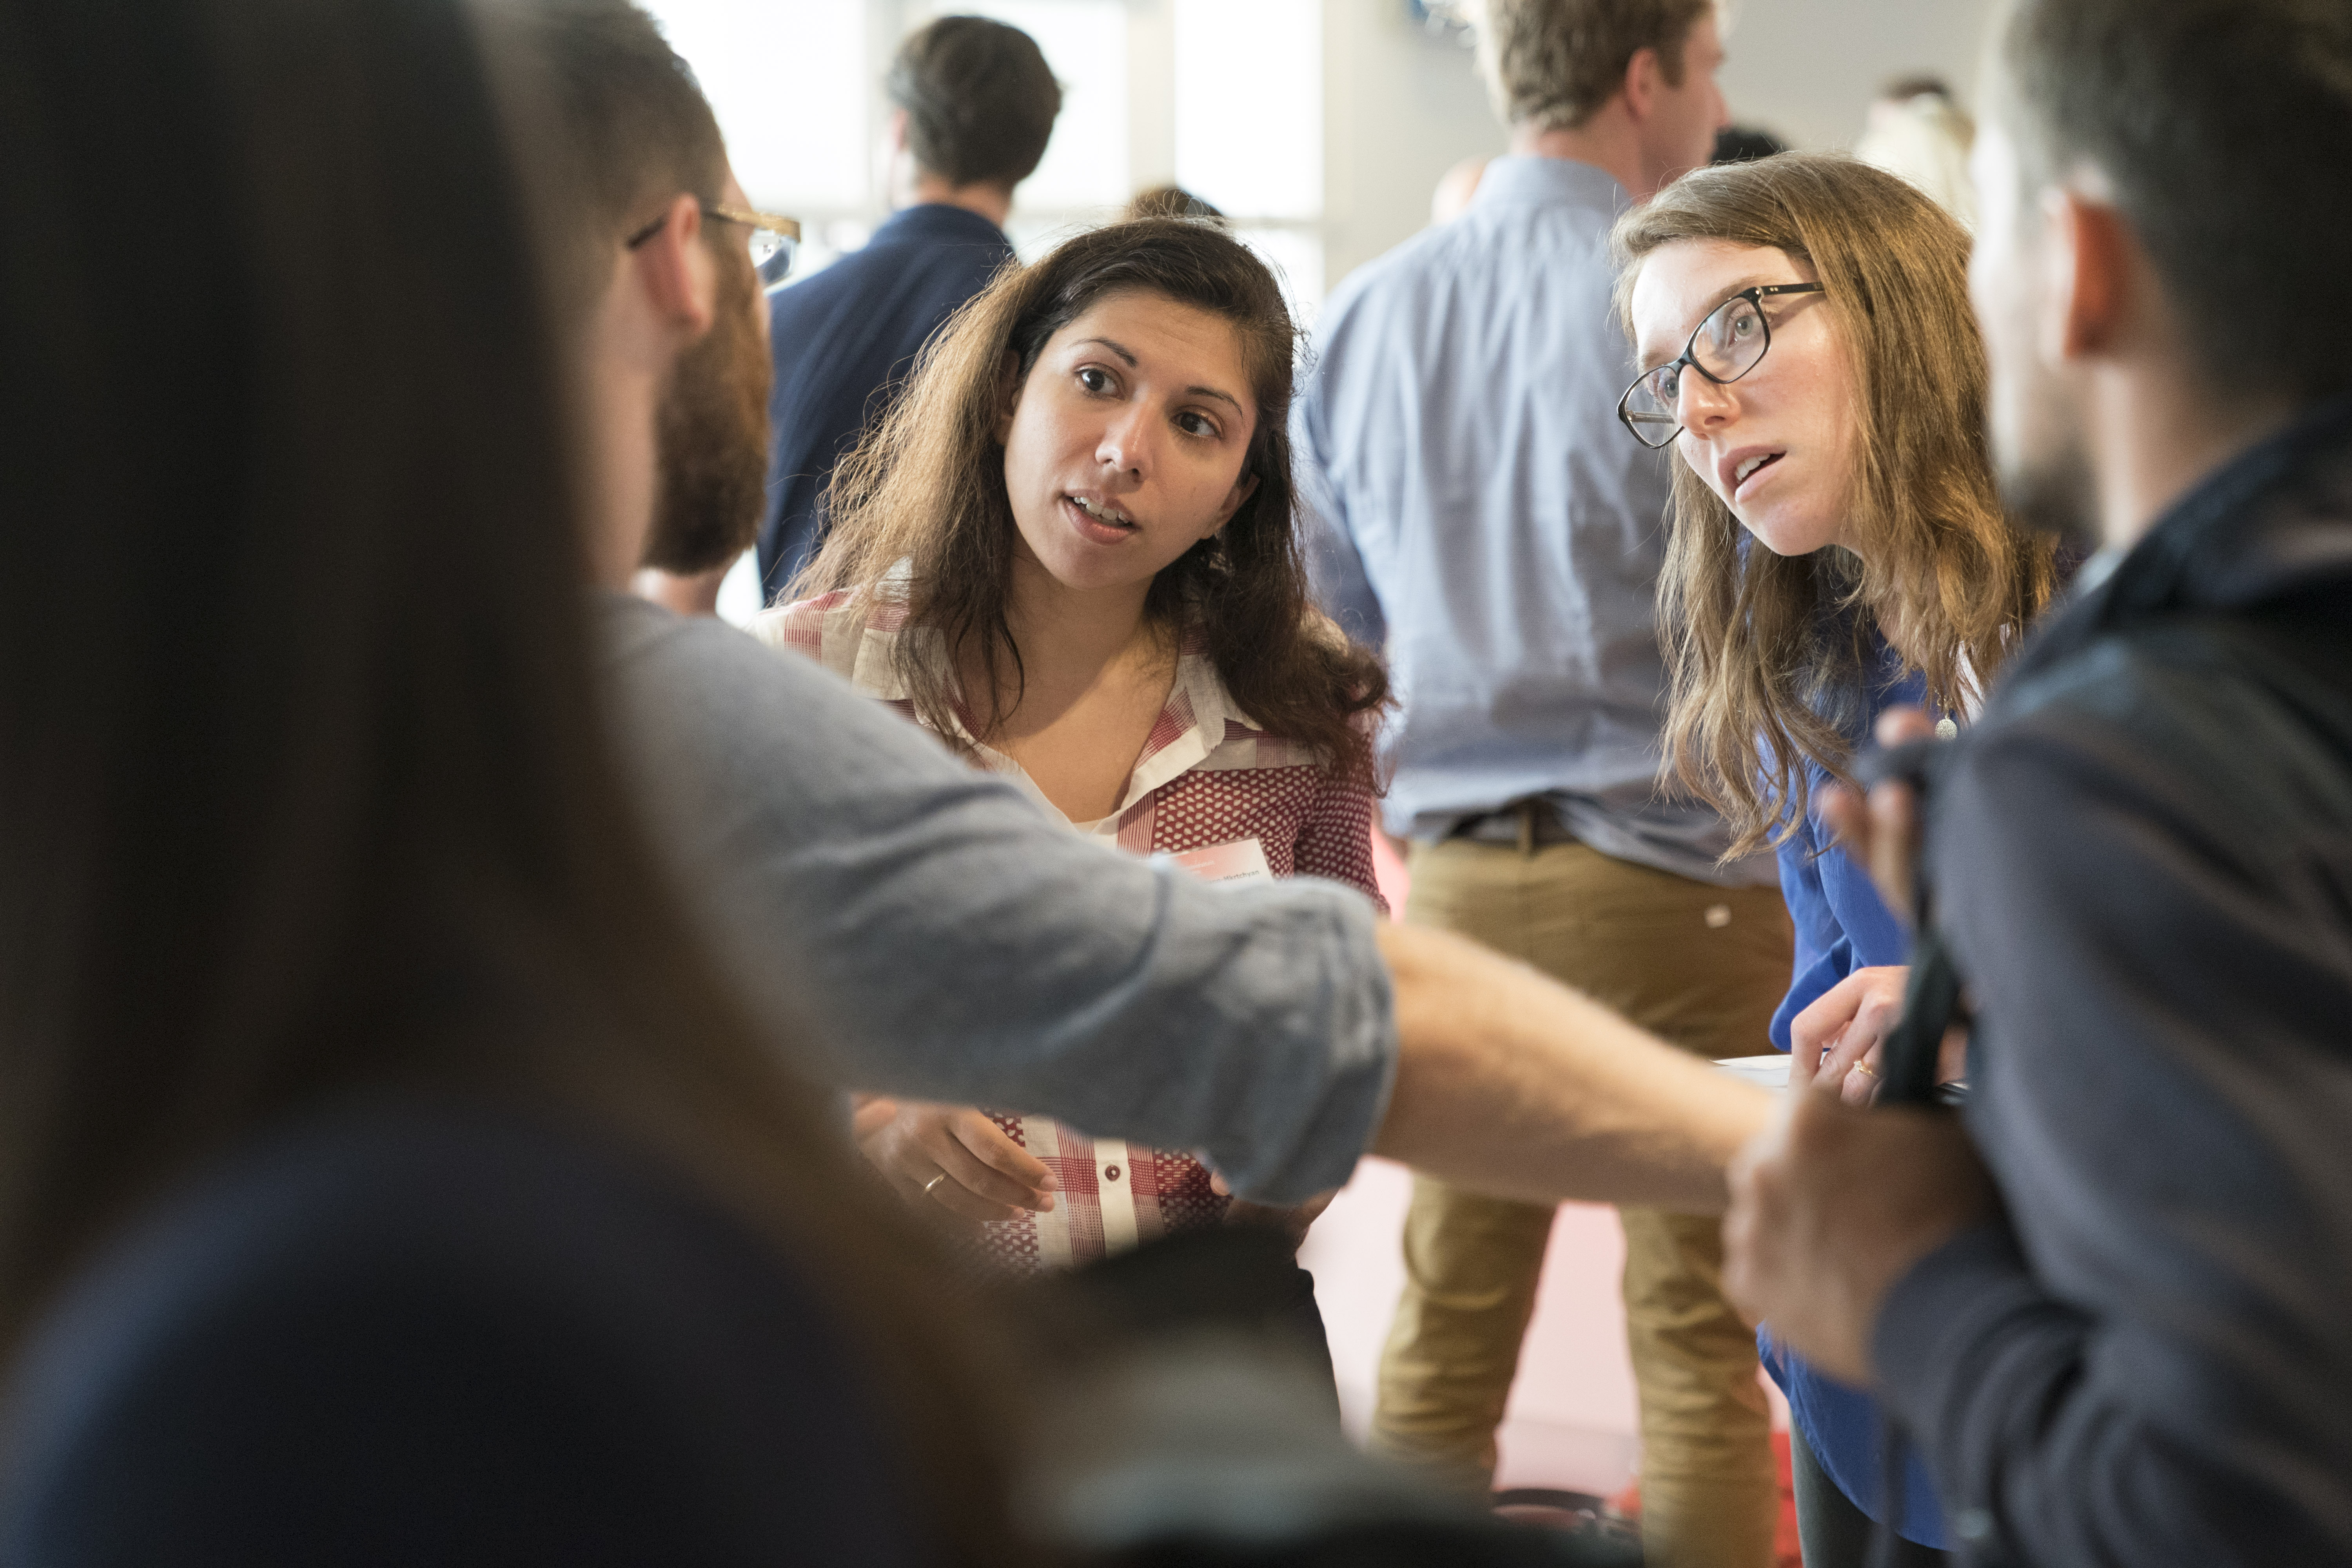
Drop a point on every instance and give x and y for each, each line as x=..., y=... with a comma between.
x=937, y=223
x=1525, y=179
x=1191, y=724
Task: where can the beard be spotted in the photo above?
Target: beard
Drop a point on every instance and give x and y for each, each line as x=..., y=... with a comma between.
x=2055, y=493
x=711, y=441
x=2042, y=464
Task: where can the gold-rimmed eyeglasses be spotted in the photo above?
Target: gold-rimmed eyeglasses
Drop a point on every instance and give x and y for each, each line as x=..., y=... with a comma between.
x=774, y=240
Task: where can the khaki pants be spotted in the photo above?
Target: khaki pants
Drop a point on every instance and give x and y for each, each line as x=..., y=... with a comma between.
x=1704, y=967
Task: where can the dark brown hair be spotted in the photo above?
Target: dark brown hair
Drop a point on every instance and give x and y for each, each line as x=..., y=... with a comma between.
x=1767, y=654
x=1552, y=64
x=927, y=487
x=979, y=99
x=308, y=788
x=2226, y=128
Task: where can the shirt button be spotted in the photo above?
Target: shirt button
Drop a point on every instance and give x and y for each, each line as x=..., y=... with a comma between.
x=1110, y=1172
x=1717, y=916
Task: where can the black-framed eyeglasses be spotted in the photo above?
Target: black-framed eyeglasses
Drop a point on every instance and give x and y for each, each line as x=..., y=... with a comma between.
x=1725, y=346
x=774, y=240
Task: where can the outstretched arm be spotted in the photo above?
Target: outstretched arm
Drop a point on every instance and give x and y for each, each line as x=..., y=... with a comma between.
x=1510, y=1083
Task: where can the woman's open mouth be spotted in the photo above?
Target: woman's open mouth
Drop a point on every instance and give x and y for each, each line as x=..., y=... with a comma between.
x=1098, y=520
x=1748, y=469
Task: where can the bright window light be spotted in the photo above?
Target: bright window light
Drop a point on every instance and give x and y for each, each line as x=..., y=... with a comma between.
x=1249, y=106
x=1297, y=257
x=788, y=80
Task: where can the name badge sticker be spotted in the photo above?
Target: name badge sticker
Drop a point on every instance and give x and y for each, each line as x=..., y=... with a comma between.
x=1243, y=860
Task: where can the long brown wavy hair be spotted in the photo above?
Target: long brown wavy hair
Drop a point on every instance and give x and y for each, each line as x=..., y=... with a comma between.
x=927, y=487
x=1769, y=658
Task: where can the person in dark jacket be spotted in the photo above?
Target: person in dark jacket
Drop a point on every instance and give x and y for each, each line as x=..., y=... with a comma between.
x=973, y=105
x=2113, y=1303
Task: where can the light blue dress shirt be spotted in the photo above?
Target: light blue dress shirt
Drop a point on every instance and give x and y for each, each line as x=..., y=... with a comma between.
x=1482, y=515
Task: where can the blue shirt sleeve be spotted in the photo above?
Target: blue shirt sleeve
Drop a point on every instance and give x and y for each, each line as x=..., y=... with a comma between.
x=1335, y=569
x=1841, y=924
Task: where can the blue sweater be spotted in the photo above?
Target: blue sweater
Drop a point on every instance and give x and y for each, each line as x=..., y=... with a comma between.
x=1841, y=926
x=844, y=342
x=409, y=1333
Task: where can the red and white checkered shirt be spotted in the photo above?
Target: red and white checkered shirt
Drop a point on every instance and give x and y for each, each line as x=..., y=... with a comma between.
x=1207, y=778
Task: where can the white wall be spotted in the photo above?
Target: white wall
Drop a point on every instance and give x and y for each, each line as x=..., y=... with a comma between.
x=1807, y=69
x=1401, y=107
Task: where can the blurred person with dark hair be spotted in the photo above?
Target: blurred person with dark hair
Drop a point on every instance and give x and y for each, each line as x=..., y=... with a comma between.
x=1167, y=200
x=972, y=105
x=389, y=1175
x=1917, y=130
x=1745, y=144
x=1490, y=525
x=954, y=943
x=2108, y=1300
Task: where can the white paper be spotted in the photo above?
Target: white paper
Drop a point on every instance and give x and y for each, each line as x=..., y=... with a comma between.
x=1243, y=860
x=1768, y=1072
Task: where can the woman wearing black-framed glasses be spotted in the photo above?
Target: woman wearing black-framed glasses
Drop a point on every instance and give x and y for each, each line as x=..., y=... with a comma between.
x=1835, y=548
x=1729, y=342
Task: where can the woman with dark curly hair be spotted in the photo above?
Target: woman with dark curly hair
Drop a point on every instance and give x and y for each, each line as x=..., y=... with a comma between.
x=1071, y=552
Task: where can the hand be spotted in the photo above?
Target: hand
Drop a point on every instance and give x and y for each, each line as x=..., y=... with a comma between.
x=1292, y=1221
x=1882, y=832
x=1849, y=1021
x=987, y=1176
x=1830, y=1206
x=868, y=1114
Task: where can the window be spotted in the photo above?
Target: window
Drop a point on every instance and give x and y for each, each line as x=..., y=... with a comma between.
x=1223, y=97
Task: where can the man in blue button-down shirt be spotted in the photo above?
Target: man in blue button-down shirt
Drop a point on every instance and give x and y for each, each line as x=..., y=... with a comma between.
x=1491, y=525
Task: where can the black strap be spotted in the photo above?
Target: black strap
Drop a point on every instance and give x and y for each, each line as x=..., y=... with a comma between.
x=1931, y=1006
x=1885, y=1541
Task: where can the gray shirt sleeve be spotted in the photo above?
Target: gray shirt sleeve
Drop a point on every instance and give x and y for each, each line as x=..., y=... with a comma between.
x=948, y=941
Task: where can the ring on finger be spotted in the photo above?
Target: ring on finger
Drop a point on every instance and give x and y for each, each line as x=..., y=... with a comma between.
x=1858, y=1067
x=934, y=1182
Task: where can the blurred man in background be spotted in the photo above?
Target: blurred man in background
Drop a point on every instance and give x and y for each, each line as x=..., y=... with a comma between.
x=972, y=107
x=1491, y=527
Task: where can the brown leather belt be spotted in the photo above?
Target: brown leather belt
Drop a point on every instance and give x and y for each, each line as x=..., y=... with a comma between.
x=1525, y=822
